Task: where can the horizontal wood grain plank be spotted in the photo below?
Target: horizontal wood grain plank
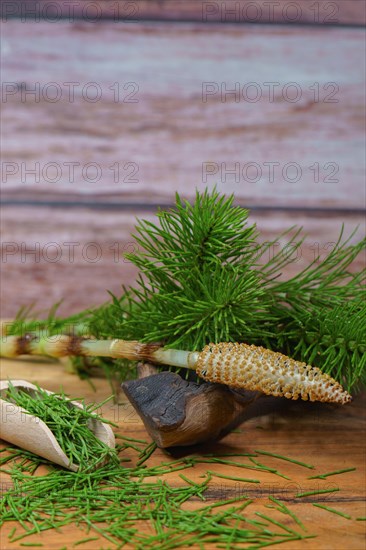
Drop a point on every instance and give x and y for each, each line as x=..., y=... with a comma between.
x=75, y=255
x=131, y=111
x=323, y=12
x=325, y=436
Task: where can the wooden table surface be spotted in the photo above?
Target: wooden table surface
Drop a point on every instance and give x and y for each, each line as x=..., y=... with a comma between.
x=328, y=437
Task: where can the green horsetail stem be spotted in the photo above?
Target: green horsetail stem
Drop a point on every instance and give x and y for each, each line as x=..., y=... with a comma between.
x=238, y=365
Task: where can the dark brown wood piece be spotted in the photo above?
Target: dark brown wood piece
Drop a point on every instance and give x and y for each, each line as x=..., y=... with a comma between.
x=178, y=412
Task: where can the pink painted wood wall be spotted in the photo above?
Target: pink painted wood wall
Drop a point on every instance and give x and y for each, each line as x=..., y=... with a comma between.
x=322, y=12
x=124, y=115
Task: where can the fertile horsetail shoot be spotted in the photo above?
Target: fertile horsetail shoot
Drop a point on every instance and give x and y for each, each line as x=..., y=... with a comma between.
x=238, y=365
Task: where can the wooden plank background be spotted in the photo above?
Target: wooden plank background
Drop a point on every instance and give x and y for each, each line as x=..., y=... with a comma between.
x=323, y=12
x=74, y=255
x=164, y=137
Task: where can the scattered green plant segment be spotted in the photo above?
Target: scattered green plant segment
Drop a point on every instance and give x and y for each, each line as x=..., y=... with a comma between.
x=336, y=472
x=233, y=478
x=310, y=466
x=283, y=508
x=206, y=277
x=318, y=492
x=83, y=541
x=68, y=424
x=332, y=510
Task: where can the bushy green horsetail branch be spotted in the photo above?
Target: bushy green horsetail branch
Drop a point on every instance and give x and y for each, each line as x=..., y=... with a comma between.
x=237, y=365
x=206, y=276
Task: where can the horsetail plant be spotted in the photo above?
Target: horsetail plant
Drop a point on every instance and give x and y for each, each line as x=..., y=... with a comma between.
x=206, y=276
x=236, y=365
